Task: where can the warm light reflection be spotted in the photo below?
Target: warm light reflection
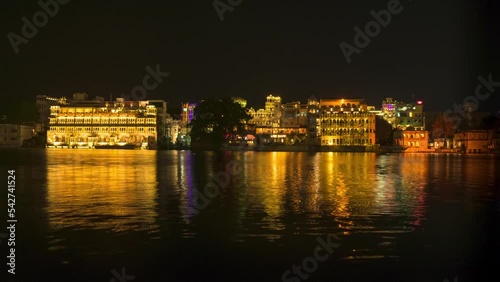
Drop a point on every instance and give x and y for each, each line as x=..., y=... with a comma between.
x=273, y=192
x=83, y=193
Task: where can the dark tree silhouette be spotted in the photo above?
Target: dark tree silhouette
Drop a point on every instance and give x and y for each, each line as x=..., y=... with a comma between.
x=214, y=118
x=442, y=128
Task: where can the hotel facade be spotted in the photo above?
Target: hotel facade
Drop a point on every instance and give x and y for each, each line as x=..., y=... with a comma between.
x=346, y=122
x=89, y=124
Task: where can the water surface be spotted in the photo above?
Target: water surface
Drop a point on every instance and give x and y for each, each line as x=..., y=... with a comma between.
x=413, y=217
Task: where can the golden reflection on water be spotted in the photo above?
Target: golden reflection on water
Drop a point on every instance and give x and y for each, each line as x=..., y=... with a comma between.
x=101, y=189
x=352, y=188
x=277, y=193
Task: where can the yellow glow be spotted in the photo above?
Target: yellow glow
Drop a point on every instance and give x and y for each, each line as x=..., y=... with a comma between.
x=120, y=194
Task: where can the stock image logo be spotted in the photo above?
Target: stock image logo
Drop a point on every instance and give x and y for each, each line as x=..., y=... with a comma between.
x=233, y=140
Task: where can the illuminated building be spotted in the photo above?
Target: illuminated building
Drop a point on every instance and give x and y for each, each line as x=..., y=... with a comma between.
x=294, y=114
x=313, y=114
x=389, y=111
x=187, y=115
x=260, y=117
x=281, y=135
x=96, y=123
x=346, y=122
x=43, y=104
x=475, y=141
x=403, y=115
x=161, y=117
x=187, y=112
x=173, y=128
x=412, y=140
x=269, y=116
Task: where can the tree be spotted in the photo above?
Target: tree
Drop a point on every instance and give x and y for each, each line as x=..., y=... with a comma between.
x=384, y=133
x=442, y=128
x=214, y=118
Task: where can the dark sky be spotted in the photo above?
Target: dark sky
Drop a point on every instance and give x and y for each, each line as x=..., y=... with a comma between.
x=435, y=49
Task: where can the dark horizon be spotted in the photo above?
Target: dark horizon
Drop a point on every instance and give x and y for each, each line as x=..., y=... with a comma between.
x=435, y=51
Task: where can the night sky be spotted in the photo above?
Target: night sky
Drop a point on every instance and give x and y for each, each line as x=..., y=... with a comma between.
x=432, y=49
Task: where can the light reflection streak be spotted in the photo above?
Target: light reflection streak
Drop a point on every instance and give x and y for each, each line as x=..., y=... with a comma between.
x=117, y=196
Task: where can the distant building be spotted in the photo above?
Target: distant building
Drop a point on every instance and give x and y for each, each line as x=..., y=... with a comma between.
x=294, y=114
x=43, y=104
x=403, y=115
x=97, y=123
x=161, y=117
x=13, y=135
x=346, y=122
x=313, y=117
x=173, y=128
x=475, y=141
x=281, y=135
x=187, y=112
x=412, y=140
x=270, y=116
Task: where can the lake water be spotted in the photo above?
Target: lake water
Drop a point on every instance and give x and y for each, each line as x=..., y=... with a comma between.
x=96, y=215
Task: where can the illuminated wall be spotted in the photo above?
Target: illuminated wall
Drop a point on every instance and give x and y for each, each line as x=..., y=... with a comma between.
x=413, y=140
x=346, y=122
x=270, y=115
x=475, y=141
x=187, y=113
x=102, y=124
x=403, y=115
x=283, y=135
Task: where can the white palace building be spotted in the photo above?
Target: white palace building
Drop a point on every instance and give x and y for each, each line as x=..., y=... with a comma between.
x=101, y=124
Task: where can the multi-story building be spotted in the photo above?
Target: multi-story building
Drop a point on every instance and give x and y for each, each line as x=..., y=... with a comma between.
x=412, y=140
x=294, y=114
x=389, y=107
x=260, y=117
x=313, y=117
x=474, y=141
x=161, y=117
x=43, y=104
x=13, y=135
x=403, y=115
x=346, y=122
x=99, y=123
x=173, y=128
x=270, y=116
x=187, y=112
x=281, y=135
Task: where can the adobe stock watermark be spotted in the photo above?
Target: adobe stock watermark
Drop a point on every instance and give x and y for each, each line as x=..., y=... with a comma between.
x=140, y=92
x=121, y=277
x=483, y=90
x=310, y=264
x=50, y=8
x=222, y=7
x=372, y=29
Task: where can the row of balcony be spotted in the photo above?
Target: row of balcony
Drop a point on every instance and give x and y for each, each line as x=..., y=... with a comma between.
x=102, y=129
x=107, y=122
